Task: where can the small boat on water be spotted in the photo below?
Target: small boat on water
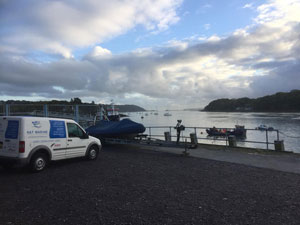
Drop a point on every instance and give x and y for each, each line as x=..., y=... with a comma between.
x=264, y=127
x=238, y=131
x=216, y=132
x=167, y=114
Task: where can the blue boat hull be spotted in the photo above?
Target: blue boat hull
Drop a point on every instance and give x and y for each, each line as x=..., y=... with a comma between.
x=116, y=129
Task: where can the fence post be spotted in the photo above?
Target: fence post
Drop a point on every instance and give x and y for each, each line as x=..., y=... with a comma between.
x=185, y=152
x=194, y=140
x=232, y=141
x=76, y=113
x=279, y=145
x=45, y=110
x=267, y=139
x=7, y=109
x=167, y=136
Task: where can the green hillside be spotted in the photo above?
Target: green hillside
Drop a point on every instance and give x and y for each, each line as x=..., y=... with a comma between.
x=279, y=102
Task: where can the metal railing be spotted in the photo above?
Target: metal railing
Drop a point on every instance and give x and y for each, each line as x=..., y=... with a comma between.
x=156, y=132
x=82, y=113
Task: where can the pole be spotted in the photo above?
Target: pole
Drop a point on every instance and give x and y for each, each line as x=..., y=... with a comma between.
x=45, y=110
x=267, y=139
x=7, y=109
x=76, y=113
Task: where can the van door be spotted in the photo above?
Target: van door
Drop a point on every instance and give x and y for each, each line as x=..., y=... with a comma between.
x=9, y=137
x=58, y=138
x=76, y=141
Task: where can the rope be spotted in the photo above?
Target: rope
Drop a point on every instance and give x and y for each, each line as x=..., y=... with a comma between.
x=288, y=135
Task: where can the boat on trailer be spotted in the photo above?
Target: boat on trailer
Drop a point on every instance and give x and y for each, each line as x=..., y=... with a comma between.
x=109, y=125
x=125, y=128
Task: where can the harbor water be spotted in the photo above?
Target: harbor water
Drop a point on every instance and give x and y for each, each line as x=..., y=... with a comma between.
x=288, y=125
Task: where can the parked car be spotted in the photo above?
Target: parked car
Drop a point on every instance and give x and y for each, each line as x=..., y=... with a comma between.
x=35, y=141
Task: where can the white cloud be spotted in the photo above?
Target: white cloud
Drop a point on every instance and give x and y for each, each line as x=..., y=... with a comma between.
x=249, y=5
x=98, y=51
x=60, y=26
x=277, y=13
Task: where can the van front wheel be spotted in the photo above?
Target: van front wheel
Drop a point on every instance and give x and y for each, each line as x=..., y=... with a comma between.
x=92, y=153
x=38, y=162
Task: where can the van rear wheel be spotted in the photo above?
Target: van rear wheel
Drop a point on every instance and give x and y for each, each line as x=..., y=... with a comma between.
x=92, y=153
x=38, y=162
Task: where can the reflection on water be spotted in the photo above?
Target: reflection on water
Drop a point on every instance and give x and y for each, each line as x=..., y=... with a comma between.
x=287, y=123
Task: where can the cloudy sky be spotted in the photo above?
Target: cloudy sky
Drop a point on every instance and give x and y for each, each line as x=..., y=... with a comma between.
x=154, y=53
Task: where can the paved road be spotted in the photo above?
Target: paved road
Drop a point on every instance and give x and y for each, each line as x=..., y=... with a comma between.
x=281, y=161
x=136, y=186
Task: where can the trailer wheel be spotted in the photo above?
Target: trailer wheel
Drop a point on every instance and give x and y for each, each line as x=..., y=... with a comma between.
x=38, y=162
x=92, y=153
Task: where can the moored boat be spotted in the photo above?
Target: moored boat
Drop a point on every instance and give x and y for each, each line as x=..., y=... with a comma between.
x=264, y=127
x=238, y=131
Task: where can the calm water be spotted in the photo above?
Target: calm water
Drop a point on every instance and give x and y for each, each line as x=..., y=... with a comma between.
x=287, y=123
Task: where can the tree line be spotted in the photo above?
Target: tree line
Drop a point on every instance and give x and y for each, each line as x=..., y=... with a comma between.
x=279, y=102
x=63, y=106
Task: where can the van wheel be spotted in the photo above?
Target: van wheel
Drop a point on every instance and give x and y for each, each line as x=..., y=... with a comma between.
x=92, y=153
x=38, y=162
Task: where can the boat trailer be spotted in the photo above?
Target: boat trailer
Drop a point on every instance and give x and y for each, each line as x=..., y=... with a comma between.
x=144, y=140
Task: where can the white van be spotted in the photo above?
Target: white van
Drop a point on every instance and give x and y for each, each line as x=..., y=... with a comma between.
x=35, y=141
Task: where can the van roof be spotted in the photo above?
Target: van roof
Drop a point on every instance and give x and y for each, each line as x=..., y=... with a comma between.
x=35, y=118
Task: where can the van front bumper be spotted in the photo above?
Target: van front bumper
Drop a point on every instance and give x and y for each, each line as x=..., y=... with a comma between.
x=13, y=161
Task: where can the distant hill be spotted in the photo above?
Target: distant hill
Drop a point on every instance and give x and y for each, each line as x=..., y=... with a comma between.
x=192, y=109
x=27, y=106
x=279, y=102
x=129, y=108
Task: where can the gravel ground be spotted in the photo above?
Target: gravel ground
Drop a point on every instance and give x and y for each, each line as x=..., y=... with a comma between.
x=135, y=186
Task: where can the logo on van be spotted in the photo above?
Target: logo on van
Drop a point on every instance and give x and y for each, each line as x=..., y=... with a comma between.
x=36, y=124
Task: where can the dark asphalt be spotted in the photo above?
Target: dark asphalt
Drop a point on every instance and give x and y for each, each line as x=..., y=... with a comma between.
x=134, y=186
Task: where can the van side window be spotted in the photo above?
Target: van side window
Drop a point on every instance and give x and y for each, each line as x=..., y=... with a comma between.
x=74, y=130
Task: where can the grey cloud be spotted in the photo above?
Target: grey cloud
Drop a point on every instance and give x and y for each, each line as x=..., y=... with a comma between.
x=284, y=78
